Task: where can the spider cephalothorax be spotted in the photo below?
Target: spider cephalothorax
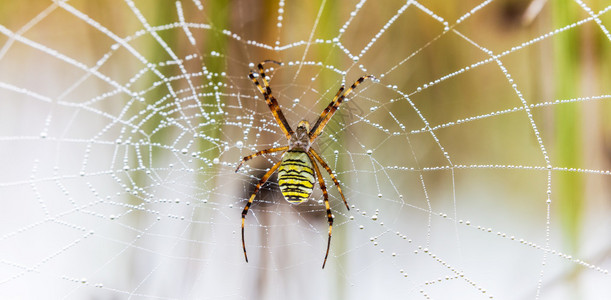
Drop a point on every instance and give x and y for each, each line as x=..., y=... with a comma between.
x=301, y=139
x=297, y=171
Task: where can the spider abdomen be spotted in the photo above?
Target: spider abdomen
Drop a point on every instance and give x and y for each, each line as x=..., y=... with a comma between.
x=296, y=176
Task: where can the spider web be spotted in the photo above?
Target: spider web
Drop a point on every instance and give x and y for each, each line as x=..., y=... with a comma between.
x=476, y=165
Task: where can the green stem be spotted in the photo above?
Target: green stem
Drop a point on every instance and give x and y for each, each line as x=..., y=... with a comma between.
x=568, y=150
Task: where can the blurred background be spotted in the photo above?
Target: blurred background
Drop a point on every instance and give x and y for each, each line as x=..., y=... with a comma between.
x=476, y=166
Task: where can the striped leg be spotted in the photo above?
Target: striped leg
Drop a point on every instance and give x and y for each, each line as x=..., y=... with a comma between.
x=252, y=197
x=270, y=150
x=325, y=112
x=262, y=73
x=270, y=100
x=324, y=165
x=331, y=108
x=321, y=182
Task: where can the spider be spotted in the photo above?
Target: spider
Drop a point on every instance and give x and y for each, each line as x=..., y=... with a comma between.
x=297, y=169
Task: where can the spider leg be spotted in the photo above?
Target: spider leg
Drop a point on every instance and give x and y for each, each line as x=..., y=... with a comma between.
x=324, y=165
x=321, y=182
x=325, y=112
x=270, y=150
x=252, y=197
x=332, y=107
x=270, y=100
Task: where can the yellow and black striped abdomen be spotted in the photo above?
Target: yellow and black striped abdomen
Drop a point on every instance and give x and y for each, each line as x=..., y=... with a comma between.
x=296, y=176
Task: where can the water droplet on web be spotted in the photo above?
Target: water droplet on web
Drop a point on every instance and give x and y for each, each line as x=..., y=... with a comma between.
x=239, y=144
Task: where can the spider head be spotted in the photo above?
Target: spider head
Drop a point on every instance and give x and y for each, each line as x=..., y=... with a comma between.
x=301, y=138
x=304, y=125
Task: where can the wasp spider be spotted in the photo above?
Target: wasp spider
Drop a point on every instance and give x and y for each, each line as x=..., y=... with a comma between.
x=297, y=170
